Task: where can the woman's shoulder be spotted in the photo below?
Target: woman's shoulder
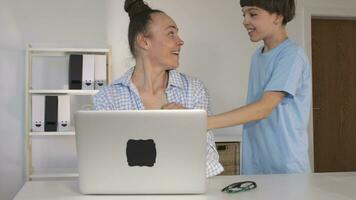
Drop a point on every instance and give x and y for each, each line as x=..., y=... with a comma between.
x=116, y=88
x=188, y=80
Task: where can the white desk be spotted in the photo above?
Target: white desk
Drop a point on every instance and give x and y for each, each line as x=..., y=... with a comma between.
x=328, y=186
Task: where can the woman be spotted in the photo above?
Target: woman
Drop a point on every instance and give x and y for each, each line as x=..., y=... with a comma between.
x=154, y=83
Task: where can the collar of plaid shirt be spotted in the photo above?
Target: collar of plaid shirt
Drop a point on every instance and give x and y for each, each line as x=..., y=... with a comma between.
x=176, y=90
x=174, y=79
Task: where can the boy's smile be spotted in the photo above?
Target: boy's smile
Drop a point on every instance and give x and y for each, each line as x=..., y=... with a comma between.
x=257, y=22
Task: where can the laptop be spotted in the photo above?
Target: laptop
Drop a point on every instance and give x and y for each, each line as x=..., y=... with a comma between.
x=141, y=152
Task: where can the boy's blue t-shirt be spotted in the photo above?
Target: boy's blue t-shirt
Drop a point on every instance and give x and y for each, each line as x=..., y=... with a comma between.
x=279, y=143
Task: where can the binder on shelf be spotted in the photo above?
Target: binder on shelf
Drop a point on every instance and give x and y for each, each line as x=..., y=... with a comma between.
x=75, y=71
x=51, y=113
x=88, y=72
x=100, y=71
x=63, y=113
x=38, y=107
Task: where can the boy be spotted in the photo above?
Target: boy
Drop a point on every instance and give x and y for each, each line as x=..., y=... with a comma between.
x=276, y=116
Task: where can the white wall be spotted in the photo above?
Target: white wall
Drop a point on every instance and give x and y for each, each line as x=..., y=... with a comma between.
x=217, y=48
x=11, y=105
x=62, y=23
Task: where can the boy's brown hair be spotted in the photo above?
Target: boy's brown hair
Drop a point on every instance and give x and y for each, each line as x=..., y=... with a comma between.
x=285, y=8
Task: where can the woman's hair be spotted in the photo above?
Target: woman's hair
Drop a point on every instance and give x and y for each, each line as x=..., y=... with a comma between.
x=286, y=8
x=140, y=17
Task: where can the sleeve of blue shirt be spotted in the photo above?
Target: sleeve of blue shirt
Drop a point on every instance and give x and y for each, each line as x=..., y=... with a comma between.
x=287, y=74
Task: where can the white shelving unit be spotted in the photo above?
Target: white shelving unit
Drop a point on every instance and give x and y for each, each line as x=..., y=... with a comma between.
x=67, y=133
x=31, y=52
x=62, y=173
x=71, y=92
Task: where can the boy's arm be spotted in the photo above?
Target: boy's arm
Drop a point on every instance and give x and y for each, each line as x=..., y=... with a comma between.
x=251, y=112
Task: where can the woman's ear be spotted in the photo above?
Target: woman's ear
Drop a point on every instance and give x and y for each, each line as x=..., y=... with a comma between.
x=142, y=42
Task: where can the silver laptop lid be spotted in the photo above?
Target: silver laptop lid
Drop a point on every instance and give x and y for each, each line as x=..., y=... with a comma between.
x=141, y=152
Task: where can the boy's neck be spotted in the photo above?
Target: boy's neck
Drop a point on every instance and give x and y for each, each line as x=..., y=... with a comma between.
x=276, y=39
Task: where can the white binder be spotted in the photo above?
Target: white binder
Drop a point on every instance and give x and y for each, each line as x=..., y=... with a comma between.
x=100, y=71
x=63, y=113
x=88, y=72
x=38, y=109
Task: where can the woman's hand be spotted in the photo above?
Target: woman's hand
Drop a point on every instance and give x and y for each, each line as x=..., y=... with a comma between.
x=172, y=106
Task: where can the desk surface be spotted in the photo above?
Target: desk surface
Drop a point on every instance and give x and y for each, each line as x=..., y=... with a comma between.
x=325, y=186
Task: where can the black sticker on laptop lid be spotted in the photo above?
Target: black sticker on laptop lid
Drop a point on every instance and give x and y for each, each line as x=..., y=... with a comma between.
x=141, y=153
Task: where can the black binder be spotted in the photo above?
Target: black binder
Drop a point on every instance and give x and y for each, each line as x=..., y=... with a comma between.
x=75, y=71
x=51, y=113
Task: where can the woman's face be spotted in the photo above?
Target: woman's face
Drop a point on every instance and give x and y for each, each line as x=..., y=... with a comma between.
x=164, y=44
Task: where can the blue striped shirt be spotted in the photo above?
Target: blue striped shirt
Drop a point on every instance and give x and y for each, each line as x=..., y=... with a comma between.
x=182, y=89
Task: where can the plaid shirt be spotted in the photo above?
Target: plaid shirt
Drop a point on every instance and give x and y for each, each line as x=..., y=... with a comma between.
x=182, y=89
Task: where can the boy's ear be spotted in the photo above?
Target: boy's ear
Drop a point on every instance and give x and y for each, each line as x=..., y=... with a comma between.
x=142, y=42
x=279, y=20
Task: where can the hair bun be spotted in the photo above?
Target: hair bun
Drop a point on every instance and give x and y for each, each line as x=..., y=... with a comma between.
x=135, y=7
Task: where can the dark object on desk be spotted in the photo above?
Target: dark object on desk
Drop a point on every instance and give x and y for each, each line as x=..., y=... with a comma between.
x=240, y=187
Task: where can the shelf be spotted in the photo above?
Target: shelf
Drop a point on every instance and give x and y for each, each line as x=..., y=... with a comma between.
x=228, y=138
x=72, y=92
x=55, y=173
x=67, y=133
x=42, y=170
x=69, y=50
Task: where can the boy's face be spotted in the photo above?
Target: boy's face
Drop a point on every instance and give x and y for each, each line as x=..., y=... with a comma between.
x=259, y=23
